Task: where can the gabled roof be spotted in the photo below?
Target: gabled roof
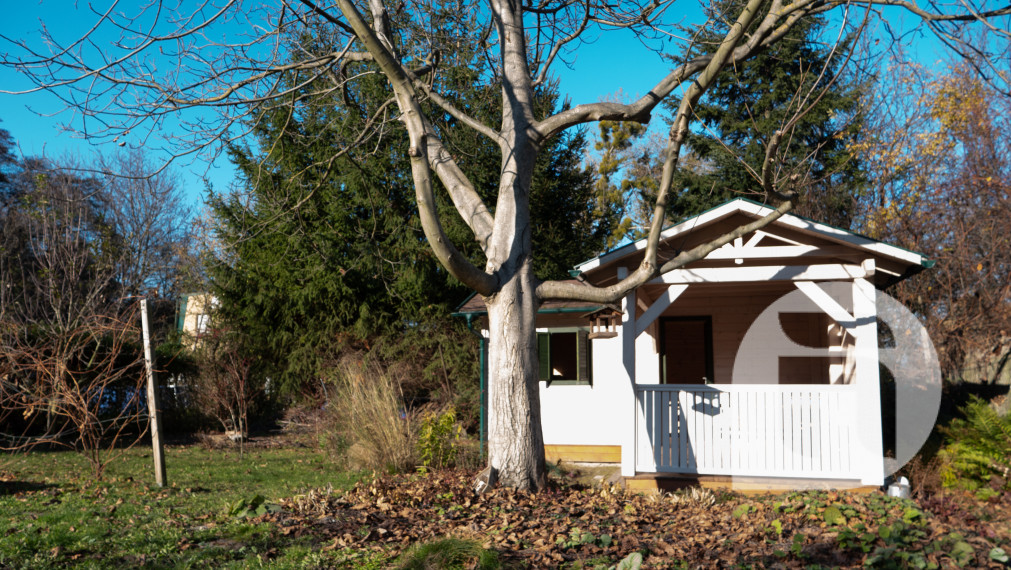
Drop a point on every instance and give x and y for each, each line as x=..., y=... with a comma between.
x=903, y=262
x=756, y=210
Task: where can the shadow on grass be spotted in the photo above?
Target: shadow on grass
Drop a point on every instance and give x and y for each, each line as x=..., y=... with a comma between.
x=14, y=487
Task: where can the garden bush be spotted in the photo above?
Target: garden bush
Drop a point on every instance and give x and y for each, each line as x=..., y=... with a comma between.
x=978, y=448
x=439, y=439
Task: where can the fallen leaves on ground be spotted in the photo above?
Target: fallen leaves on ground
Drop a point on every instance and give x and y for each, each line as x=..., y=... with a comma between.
x=568, y=523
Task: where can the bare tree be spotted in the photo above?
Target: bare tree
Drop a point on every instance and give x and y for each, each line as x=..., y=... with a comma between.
x=151, y=222
x=942, y=185
x=225, y=388
x=127, y=85
x=70, y=367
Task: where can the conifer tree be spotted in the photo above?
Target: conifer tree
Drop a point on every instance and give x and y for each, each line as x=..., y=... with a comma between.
x=798, y=86
x=331, y=255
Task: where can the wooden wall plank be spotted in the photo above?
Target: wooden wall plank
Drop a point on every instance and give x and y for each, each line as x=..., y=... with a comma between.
x=583, y=453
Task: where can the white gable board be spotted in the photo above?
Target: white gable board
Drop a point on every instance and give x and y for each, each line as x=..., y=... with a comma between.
x=788, y=237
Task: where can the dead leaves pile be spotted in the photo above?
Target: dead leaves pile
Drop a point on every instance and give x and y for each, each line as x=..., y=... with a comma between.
x=573, y=523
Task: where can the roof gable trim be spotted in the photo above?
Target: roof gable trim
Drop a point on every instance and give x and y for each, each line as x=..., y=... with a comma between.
x=759, y=210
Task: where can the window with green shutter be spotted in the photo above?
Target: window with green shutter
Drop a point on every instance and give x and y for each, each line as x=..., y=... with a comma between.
x=564, y=357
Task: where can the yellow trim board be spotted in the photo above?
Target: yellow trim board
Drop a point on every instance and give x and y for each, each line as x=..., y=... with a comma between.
x=654, y=483
x=583, y=453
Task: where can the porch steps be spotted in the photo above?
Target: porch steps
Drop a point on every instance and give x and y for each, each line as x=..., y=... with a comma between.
x=658, y=482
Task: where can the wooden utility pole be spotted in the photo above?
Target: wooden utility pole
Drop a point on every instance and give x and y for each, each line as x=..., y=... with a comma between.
x=154, y=411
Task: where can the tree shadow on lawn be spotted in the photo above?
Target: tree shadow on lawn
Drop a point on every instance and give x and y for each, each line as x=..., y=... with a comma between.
x=15, y=487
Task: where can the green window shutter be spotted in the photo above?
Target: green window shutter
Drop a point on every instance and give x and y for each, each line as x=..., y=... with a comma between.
x=583, y=356
x=544, y=355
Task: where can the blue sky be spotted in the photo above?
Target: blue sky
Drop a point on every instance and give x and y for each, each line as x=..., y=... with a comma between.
x=614, y=62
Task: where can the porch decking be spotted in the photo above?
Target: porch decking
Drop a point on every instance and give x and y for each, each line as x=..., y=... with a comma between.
x=801, y=431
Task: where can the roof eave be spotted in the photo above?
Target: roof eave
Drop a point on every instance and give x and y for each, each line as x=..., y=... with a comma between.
x=795, y=221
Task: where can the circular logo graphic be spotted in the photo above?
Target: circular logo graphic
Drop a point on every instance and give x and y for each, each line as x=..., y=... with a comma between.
x=833, y=430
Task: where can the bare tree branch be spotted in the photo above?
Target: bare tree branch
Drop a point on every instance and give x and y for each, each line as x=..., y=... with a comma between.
x=446, y=252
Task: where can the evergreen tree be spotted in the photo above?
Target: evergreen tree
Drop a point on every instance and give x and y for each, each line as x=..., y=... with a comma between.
x=330, y=254
x=324, y=254
x=747, y=105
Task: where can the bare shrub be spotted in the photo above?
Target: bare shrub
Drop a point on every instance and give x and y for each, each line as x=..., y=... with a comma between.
x=370, y=425
x=924, y=474
x=438, y=362
x=71, y=371
x=225, y=388
x=470, y=454
x=79, y=388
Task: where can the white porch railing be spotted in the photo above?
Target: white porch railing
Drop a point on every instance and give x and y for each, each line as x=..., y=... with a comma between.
x=756, y=430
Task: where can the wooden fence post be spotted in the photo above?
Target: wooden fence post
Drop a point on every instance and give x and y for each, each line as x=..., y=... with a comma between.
x=154, y=411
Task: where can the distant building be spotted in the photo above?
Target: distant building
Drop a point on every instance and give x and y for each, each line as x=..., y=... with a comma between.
x=193, y=317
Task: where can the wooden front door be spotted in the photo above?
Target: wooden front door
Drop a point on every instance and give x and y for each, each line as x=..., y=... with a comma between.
x=686, y=350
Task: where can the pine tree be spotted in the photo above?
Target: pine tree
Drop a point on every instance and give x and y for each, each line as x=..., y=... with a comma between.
x=756, y=98
x=331, y=254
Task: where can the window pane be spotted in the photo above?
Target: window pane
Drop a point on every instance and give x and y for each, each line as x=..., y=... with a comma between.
x=564, y=358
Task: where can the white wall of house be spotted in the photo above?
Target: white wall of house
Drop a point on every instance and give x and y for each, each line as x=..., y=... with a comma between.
x=586, y=415
x=647, y=359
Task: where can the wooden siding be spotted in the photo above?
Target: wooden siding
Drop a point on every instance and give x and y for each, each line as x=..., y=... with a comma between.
x=733, y=309
x=583, y=453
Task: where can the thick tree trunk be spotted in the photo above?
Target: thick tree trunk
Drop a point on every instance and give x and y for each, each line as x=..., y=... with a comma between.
x=515, y=442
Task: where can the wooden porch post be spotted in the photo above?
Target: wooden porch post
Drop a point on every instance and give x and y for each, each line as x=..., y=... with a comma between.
x=868, y=451
x=627, y=406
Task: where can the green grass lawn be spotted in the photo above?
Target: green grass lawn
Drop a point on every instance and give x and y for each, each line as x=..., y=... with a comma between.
x=52, y=514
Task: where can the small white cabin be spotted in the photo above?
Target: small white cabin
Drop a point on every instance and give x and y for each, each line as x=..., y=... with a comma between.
x=759, y=361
